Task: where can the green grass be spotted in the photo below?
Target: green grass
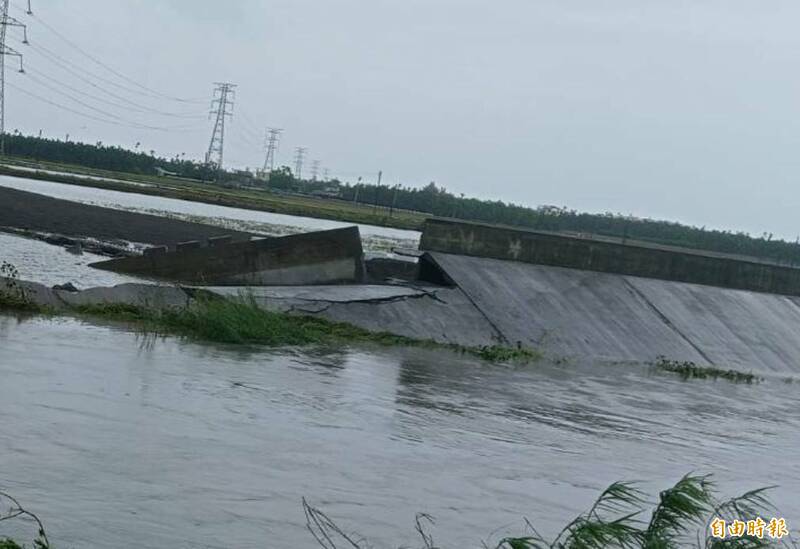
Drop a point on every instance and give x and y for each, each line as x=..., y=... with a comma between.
x=242, y=321
x=622, y=517
x=690, y=370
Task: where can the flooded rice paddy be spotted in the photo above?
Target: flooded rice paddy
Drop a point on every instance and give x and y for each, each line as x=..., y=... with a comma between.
x=47, y=264
x=379, y=240
x=119, y=441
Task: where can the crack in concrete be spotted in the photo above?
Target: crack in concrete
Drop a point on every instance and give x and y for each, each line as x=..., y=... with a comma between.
x=665, y=319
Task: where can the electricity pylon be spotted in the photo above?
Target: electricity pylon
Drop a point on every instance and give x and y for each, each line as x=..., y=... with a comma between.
x=271, y=143
x=315, y=170
x=299, y=158
x=221, y=108
x=5, y=51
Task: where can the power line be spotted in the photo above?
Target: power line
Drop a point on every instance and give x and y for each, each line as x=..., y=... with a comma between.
x=63, y=84
x=248, y=126
x=70, y=109
x=299, y=157
x=223, y=99
x=272, y=142
x=74, y=70
x=6, y=51
x=144, y=90
x=101, y=111
x=243, y=140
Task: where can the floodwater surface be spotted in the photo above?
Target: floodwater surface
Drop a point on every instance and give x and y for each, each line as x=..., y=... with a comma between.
x=47, y=264
x=119, y=441
x=375, y=239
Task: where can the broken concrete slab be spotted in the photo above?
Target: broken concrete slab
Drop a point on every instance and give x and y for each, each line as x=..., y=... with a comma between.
x=443, y=315
x=324, y=257
x=138, y=295
x=32, y=292
x=381, y=269
x=333, y=294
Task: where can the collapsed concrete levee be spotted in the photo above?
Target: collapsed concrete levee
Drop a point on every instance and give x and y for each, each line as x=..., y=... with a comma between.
x=324, y=257
x=609, y=255
x=513, y=299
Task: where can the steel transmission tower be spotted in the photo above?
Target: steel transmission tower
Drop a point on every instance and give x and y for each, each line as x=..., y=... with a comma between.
x=299, y=158
x=271, y=144
x=221, y=108
x=315, y=170
x=5, y=51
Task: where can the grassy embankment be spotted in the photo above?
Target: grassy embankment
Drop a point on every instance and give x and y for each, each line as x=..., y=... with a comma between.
x=241, y=321
x=249, y=199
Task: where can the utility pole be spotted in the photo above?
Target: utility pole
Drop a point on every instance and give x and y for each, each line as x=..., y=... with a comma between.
x=271, y=143
x=394, y=199
x=315, y=170
x=326, y=174
x=377, y=188
x=5, y=50
x=299, y=158
x=221, y=108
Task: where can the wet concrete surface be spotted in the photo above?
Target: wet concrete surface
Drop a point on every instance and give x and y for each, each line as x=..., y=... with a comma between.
x=119, y=441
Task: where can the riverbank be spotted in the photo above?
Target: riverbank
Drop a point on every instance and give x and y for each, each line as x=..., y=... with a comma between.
x=202, y=316
x=258, y=200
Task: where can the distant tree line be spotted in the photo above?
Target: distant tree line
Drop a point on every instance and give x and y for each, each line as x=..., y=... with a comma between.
x=437, y=201
x=430, y=199
x=102, y=157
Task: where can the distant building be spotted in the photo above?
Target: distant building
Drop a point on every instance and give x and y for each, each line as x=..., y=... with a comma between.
x=331, y=191
x=161, y=172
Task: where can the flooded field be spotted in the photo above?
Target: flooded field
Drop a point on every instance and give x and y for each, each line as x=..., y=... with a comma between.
x=375, y=239
x=120, y=441
x=50, y=265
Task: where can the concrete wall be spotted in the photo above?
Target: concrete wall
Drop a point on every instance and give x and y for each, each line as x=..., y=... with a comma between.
x=324, y=257
x=601, y=316
x=637, y=259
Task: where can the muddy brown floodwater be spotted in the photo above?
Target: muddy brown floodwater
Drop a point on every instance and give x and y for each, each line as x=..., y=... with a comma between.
x=119, y=441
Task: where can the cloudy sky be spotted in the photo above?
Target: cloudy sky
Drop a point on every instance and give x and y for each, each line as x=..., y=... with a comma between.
x=681, y=110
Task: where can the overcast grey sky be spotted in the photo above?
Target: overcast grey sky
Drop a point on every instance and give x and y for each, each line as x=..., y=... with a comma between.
x=680, y=110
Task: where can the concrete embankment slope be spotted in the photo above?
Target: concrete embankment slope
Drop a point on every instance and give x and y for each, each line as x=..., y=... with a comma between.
x=39, y=213
x=571, y=312
x=563, y=312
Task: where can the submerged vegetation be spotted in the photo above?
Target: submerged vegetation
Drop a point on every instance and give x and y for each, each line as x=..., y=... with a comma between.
x=11, y=509
x=685, y=515
x=690, y=370
x=242, y=321
x=12, y=294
